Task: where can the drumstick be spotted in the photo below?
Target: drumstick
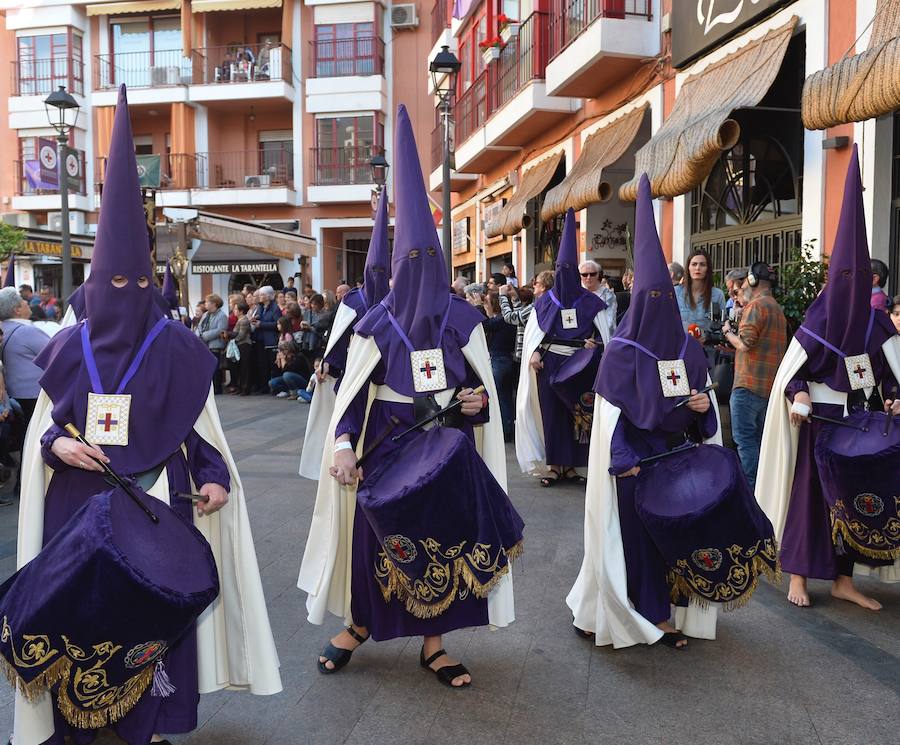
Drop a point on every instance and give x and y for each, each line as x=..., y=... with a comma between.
x=887, y=425
x=708, y=388
x=192, y=497
x=120, y=482
x=378, y=440
x=838, y=422
x=457, y=403
x=679, y=449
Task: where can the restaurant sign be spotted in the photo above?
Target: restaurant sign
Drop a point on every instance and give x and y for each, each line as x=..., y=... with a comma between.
x=699, y=25
x=49, y=248
x=234, y=267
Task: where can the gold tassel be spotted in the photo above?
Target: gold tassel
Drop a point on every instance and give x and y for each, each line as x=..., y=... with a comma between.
x=682, y=588
x=839, y=527
x=81, y=719
x=39, y=685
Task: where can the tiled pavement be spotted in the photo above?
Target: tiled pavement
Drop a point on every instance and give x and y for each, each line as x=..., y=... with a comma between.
x=776, y=675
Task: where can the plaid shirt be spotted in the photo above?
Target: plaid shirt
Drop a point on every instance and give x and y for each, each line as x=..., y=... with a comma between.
x=763, y=330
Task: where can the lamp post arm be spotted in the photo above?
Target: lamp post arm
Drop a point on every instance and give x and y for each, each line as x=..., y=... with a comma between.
x=66, y=239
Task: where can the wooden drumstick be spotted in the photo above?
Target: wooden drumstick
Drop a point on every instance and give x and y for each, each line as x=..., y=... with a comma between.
x=446, y=410
x=378, y=440
x=708, y=388
x=120, y=482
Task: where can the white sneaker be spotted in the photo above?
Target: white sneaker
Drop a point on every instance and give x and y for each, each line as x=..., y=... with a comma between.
x=283, y=394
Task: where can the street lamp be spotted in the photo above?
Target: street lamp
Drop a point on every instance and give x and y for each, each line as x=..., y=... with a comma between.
x=62, y=113
x=444, y=68
x=379, y=165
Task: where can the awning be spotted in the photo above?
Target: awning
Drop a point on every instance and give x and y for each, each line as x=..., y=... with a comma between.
x=131, y=6
x=585, y=185
x=861, y=87
x=683, y=152
x=265, y=240
x=513, y=217
x=208, y=6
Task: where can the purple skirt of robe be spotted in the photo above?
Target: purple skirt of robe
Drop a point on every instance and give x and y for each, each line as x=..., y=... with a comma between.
x=562, y=447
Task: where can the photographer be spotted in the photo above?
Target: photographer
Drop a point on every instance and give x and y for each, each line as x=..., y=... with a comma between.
x=760, y=343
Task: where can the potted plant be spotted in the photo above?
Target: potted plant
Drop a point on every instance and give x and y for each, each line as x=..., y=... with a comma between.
x=508, y=27
x=490, y=49
x=801, y=278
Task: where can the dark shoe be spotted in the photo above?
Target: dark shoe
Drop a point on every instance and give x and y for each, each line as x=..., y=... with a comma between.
x=547, y=481
x=444, y=674
x=570, y=474
x=672, y=638
x=337, y=656
x=582, y=633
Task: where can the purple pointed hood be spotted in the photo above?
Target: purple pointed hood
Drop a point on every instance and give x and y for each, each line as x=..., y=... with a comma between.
x=567, y=291
x=628, y=376
x=376, y=277
x=841, y=313
x=169, y=292
x=420, y=295
x=10, y=279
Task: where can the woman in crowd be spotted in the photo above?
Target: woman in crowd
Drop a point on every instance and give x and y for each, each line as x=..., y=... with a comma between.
x=516, y=305
x=698, y=300
x=212, y=324
x=291, y=383
x=509, y=271
x=895, y=312
x=240, y=371
x=501, y=340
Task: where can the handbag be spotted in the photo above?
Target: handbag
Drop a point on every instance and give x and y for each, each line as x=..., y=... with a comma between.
x=232, y=351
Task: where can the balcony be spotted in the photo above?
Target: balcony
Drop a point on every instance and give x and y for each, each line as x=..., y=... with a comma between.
x=38, y=190
x=40, y=77
x=177, y=176
x=507, y=105
x=151, y=77
x=440, y=20
x=245, y=177
x=436, y=181
x=260, y=71
x=595, y=42
x=348, y=75
x=341, y=174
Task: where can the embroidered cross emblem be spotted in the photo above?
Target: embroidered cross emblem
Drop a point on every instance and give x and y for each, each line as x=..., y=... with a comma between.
x=672, y=376
x=707, y=560
x=860, y=371
x=427, y=369
x=867, y=504
x=398, y=549
x=107, y=422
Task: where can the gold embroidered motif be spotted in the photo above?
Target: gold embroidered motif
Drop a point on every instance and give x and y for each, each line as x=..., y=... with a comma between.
x=449, y=575
x=744, y=569
x=883, y=543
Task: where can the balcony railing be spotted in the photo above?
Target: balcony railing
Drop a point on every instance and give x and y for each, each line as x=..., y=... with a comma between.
x=142, y=69
x=472, y=108
x=254, y=63
x=437, y=146
x=342, y=166
x=30, y=181
x=337, y=58
x=176, y=171
x=440, y=19
x=522, y=60
x=40, y=77
x=569, y=18
x=251, y=169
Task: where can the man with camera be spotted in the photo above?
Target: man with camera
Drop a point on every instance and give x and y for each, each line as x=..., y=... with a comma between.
x=759, y=342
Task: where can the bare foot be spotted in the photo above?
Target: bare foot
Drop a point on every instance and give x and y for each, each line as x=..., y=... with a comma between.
x=668, y=628
x=432, y=645
x=844, y=589
x=345, y=641
x=797, y=593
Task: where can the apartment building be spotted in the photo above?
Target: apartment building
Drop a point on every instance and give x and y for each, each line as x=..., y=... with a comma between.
x=254, y=125
x=564, y=103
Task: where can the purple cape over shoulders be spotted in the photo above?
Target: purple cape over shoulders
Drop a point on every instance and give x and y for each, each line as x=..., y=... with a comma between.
x=168, y=392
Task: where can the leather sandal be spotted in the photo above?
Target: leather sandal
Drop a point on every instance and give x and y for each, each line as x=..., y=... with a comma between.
x=570, y=474
x=582, y=633
x=547, y=481
x=337, y=656
x=671, y=639
x=444, y=674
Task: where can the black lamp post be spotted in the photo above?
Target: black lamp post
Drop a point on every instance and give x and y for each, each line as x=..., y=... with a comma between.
x=62, y=113
x=444, y=69
x=379, y=165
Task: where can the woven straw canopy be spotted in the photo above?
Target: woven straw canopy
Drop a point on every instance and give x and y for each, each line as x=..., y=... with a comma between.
x=861, y=87
x=585, y=185
x=683, y=152
x=513, y=217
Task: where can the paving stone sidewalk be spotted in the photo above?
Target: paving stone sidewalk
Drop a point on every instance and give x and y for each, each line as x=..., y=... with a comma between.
x=826, y=675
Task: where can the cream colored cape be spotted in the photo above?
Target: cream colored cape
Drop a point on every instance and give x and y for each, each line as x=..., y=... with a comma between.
x=778, y=453
x=530, y=449
x=599, y=598
x=322, y=405
x=236, y=648
x=326, y=566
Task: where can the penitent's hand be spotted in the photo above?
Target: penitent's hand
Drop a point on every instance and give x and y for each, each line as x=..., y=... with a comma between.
x=892, y=407
x=630, y=472
x=590, y=344
x=536, y=362
x=75, y=454
x=698, y=402
x=218, y=498
x=801, y=398
x=472, y=403
x=344, y=468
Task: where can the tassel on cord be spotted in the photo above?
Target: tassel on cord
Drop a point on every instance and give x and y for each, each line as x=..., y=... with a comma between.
x=162, y=686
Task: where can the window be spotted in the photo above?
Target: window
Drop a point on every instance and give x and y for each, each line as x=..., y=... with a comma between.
x=276, y=155
x=146, y=52
x=346, y=49
x=344, y=146
x=510, y=8
x=46, y=62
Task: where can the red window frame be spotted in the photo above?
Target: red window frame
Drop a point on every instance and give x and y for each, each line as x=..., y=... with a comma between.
x=334, y=164
x=353, y=53
x=477, y=29
x=63, y=66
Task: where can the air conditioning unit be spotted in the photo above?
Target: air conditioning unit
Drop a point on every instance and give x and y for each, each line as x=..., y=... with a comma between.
x=76, y=222
x=21, y=219
x=404, y=16
x=262, y=179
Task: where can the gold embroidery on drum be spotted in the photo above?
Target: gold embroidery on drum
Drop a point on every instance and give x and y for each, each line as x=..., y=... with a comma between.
x=874, y=542
x=449, y=575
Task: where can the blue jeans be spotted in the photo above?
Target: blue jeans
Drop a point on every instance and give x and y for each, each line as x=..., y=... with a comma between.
x=502, y=367
x=290, y=381
x=748, y=415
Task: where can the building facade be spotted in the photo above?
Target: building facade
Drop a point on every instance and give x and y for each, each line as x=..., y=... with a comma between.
x=248, y=115
x=564, y=103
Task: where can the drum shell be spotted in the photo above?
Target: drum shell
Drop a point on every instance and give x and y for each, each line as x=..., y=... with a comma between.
x=575, y=376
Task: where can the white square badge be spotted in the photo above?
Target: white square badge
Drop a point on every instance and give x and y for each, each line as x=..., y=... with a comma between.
x=107, y=419
x=428, y=370
x=673, y=378
x=569, y=318
x=859, y=370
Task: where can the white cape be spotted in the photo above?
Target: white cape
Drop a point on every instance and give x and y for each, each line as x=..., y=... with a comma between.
x=778, y=453
x=599, y=598
x=530, y=449
x=326, y=566
x=236, y=648
x=322, y=405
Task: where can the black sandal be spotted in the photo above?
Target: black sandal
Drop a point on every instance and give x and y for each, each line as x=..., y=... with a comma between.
x=575, y=477
x=671, y=639
x=444, y=674
x=547, y=481
x=337, y=656
x=582, y=633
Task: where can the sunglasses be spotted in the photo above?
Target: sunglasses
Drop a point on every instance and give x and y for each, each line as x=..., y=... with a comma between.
x=589, y=274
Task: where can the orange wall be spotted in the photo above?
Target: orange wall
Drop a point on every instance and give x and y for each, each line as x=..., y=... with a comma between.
x=9, y=142
x=231, y=131
x=228, y=27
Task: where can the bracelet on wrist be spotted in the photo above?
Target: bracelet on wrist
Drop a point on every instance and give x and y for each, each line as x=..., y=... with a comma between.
x=345, y=445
